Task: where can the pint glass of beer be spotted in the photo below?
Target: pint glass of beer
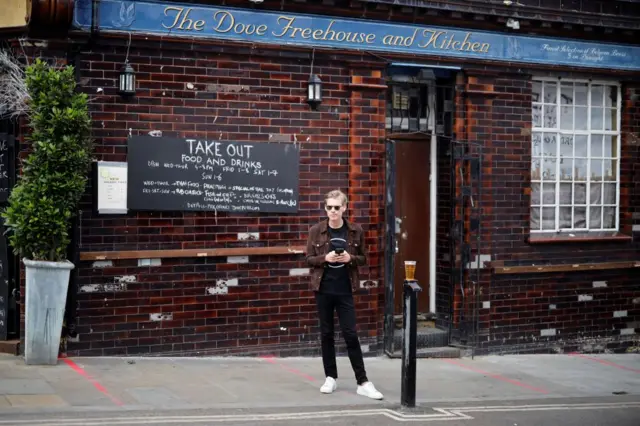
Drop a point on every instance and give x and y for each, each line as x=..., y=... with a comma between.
x=410, y=269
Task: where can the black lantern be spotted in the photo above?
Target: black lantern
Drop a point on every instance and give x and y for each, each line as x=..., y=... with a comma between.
x=314, y=92
x=127, y=80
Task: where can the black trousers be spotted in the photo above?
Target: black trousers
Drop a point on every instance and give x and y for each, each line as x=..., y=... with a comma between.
x=343, y=304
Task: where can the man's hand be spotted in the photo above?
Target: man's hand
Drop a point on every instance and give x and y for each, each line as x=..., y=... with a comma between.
x=344, y=258
x=331, y=257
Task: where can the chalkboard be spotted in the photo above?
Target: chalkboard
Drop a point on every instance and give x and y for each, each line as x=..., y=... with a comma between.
x=6, y=141
x=212, y=175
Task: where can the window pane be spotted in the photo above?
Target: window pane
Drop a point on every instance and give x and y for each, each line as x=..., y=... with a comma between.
x=535, y=218
x=597, y=95
x=609, y=217
x=566, y=169
x=580, y=217
x=610, y=169
x=537, y=115
x=535, y=193
x=550, y=118
x=611, y=119
x=581, y=94
x=595, y=217
x=566, y=145
x=565, y=217
x=549, y=169
x=566, y=118
x=581, y=118
x=550, y=92
x=566, y=93
x=548, y=193
x=535, y=169
x=565, y=193
x=596, y=170
x=596, y=145
x=595, y=193
x=580, y=170
x=610, y=146
x=611, y=96
x=609, y=196
x=536, y=88
x=596, y=119
x=536, y=142
x=548, y=218
x=550, y=145
x=580, y=193
x=582, y=145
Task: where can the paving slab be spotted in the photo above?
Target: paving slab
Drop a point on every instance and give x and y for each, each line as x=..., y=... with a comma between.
x=36, y=401
x=155, y=396
x=25, y=387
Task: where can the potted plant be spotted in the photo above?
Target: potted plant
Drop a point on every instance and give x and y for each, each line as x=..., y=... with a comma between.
x=45, y=199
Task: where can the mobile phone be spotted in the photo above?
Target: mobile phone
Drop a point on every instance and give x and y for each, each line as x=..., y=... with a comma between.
x=339, y=250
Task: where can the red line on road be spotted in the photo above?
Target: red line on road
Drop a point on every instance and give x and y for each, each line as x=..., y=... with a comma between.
x=271, y=359
x=604, y=362
x=75, y=367
x=497, y=377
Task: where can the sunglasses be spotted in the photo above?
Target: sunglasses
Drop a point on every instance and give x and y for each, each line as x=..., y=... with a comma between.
x=328, y=208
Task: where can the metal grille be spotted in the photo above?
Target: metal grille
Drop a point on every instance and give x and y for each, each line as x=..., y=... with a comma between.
x=407, y=108
x=9, y=262
x=465, y=242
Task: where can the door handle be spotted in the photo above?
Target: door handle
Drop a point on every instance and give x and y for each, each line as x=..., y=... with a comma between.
x=395, y=248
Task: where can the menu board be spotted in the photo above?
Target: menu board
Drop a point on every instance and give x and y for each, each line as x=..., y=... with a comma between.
x=212, y=175
x=111, y=187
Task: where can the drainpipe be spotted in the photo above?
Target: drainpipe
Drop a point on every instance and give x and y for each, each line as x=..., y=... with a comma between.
x=95, y=21
x=73, y=251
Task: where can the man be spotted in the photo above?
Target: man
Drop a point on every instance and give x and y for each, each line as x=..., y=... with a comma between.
x=335, y=249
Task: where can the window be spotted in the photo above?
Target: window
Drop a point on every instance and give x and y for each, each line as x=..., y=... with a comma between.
x=575, y=155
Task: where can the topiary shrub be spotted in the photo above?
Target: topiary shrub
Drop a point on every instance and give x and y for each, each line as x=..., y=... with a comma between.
x=54, y=174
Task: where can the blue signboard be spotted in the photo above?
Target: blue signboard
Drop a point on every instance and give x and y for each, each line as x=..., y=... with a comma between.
x=283, y=28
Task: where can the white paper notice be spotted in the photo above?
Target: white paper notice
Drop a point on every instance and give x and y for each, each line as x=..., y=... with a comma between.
x=112, y=187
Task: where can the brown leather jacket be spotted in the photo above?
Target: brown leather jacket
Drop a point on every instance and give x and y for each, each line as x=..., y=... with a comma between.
x=318, y=247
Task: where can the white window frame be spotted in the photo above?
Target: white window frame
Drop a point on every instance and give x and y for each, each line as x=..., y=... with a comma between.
x=589, y=132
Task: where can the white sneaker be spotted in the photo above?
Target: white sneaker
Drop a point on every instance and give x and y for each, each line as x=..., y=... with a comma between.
x=329, y=385
x=367, y=389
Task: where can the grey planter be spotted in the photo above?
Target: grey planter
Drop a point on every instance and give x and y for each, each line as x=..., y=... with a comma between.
x=47, y=284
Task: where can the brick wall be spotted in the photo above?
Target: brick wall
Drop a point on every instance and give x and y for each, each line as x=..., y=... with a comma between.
x=550, y=311
x=255, y=305
x=187, y=306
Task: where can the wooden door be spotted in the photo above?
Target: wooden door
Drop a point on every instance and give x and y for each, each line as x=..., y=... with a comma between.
x=411, y=205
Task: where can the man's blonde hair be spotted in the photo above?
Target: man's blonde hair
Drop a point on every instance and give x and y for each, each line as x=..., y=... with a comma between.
x=336, y=193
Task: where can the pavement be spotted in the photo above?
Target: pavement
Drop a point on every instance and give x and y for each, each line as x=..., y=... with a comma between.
x=570, y=389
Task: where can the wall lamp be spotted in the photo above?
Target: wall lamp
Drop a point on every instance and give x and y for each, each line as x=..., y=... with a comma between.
x=127, y=80
x=314, y=92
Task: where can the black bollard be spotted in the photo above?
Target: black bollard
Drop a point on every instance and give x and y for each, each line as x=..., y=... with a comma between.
x=409, y=343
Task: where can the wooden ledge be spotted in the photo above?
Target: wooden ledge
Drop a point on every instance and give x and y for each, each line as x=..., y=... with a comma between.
x=482, y=93
x=500, y=269
x=205, y=252
x=367, y=86
x=591, y=237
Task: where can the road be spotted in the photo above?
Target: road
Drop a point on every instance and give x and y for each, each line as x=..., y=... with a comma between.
x=623, y=411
